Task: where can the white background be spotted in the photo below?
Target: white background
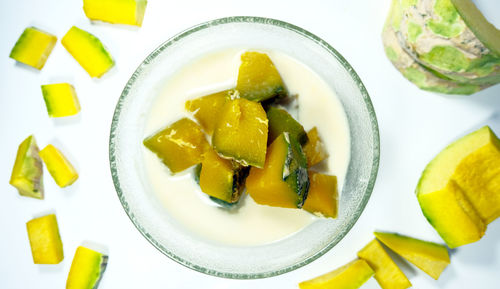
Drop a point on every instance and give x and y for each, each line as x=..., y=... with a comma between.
x=414, y=126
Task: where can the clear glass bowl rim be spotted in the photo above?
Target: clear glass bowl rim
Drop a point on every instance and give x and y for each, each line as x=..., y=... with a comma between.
x=265, y=21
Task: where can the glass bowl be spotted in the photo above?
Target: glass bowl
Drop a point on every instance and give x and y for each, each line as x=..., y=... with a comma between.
x=149, y=216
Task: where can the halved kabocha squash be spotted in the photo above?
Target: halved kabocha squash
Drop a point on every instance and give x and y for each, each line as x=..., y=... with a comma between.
x=281, y=121
x=179, y=145
x=221, y=178
x=207, y=109
x=258, y=78
x=241, y=132
x=314, y=148
x=283, y=182
x=322, y=198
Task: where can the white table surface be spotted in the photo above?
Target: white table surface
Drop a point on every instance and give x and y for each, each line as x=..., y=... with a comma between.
x=414, y=126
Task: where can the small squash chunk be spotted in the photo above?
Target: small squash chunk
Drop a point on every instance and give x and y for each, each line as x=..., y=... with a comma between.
x=241, y=132
x=60, y=99
x=87, y=269
x=58, y=166
x=45, y=241
x=88, y=50
x=349, y=276
x=322, y=198
x=258, y=78
x=33, y=47
x=281, y=121
x=430, y=257
x=387, y=273
x=27, y=174
x=314, y=148
x=207, y=109
x=283, y=182
x=179, y=145
x=222, y=178
x=129, y=12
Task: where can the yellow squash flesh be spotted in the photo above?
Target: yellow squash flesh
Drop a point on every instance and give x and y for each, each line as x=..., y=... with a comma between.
x=207, y=109
x=33, y=47
x=60, y=99
x=314, y=148
x=179, y=145
x=218, y=177
x=387, y=273
x=129, y=12
x=430, y=257
x=322, y=198
x=88, y=50
x=59, y=167
x=45, y=241
x=465, y=176
x=258, y=78
x=86, y=269
x=27, y=173
x=349, y=276
x=241, y=132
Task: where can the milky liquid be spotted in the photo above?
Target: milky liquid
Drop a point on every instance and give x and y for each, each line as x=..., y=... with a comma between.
x=250, y=224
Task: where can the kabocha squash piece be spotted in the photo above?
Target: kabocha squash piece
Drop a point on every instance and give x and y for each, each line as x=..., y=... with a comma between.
x=33, y=47
x=222, y=178
x=387, y=273
x=283, y=182
x=179, y=145
x=241, y=132
x=430, y=257
x=129, y=12
x=466, y=173
x=88, y=50
x=322, y=198
x=258, y=78
x=349, y=276
x=87, y=269
x=207, y=109
x=197, y=173
x=281, y=121
x=27, y=174
x=452, y=215
x=45, y=241
x=60, y=99
x=59, y=167
x=314, y=148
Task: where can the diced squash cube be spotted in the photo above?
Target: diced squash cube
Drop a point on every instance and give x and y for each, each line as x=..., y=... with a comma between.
x=59, y=167
x=33, y=47
x=179, y=145
x=27, y=174
x=88, y=50
x=207, y=109
x=258, y=78
x=349, y=276
x=222, y=178
x=387, y=273
x=283, y=182
x=281, y=121
x=60, y=99
x=129, y=12
x=452, y=215
x=241, y=132
x=322, y=197
x=314, y=148
x=430, y=257
x=87, y=269
x=45, y=241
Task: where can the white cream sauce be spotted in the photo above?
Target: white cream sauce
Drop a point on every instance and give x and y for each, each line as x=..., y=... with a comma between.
x=250, y=224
